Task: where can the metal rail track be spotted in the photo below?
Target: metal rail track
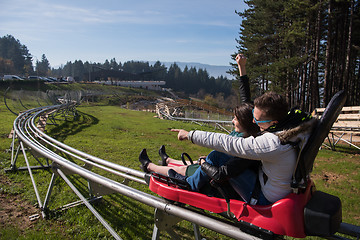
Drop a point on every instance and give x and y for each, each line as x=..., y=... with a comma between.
x=28, y=137
x=163, y=112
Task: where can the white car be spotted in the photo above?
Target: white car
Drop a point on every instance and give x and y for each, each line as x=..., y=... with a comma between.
x=12, y=77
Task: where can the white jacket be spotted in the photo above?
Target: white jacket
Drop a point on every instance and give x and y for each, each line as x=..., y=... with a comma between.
x=278, y=160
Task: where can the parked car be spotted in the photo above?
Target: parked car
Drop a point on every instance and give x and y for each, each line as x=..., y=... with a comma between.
x=70, y=79
x=12, y=77
x=52, y=79
x=46, y=79
x=33, y=77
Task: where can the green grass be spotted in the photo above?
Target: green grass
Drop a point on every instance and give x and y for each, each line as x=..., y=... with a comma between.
x=114, y=134
x=118, y=135
x=338, y=173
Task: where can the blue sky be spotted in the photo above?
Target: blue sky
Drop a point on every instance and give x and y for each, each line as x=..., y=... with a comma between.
x=169, y=31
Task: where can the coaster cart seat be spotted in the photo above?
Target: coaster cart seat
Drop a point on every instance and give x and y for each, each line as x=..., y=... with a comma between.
x=304, y=212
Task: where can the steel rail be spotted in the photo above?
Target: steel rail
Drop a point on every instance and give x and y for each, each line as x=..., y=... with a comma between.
x=27, y=133
x=217, y=123
x=7, y=104
x=61, y=146
x=96, y=162
x=23, y=127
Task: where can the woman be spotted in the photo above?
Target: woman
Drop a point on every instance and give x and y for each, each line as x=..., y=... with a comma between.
x=192, y=174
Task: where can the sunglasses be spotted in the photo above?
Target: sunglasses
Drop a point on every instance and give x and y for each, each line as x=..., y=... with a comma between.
x=257, y=121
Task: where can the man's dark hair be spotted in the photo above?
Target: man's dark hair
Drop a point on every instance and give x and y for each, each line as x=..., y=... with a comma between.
x=274, y=105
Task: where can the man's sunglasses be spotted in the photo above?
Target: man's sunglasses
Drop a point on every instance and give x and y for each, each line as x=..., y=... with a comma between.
x=257, y=121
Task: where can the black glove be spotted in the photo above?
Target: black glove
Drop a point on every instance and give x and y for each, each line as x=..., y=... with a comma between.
x=231, y=169
x=213, y=172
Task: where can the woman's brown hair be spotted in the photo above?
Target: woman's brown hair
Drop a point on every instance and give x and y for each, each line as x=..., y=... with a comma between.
x=243, y=114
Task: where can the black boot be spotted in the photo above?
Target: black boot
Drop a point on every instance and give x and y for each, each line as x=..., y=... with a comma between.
x=163, y=155
x=144, y=160
x=173, y=174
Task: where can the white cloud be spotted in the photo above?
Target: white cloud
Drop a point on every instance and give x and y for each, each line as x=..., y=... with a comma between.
x=72, y=28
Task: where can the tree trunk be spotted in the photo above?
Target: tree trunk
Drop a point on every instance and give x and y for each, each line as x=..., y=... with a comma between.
x=328, y=57
x=315, y=75
x=305, y=71
x=348, y=50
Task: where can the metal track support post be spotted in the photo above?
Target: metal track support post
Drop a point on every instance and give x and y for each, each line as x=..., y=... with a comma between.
x=48, y=194
x=88, y=205
x=165, y=221
x=14, y=158
x=32, y=178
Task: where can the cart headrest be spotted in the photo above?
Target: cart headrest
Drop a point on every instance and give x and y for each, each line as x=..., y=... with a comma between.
x=318, y=135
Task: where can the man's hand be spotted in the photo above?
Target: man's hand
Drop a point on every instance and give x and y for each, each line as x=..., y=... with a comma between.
x=182, y=134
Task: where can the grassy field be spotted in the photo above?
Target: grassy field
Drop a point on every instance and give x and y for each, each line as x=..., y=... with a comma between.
x=118, y=135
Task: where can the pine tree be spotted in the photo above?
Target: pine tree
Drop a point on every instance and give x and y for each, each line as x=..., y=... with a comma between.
x=16, y=54
x=43, y=67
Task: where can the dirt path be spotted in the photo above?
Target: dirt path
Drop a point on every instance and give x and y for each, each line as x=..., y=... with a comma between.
x=14, y=211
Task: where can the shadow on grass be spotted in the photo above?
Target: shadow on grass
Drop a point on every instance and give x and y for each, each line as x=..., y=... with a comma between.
x=135, y=217
x=127, y=217
x=130, y=219
x=68, y=128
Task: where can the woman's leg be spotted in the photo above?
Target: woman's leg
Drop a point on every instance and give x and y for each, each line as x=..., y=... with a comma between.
x=197, y=180
x=179, y=162
x=164, y=169
x=148, y=166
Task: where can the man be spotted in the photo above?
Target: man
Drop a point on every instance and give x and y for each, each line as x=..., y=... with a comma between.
x=274, y=147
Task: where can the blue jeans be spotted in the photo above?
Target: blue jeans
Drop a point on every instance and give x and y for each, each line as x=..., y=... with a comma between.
x=243, y=184
x=200, y=178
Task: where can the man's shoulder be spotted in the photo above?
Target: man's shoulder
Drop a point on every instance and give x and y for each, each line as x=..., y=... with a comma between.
x=268, y=137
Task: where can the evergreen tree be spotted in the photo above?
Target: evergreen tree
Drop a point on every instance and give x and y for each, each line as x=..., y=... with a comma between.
x=78, y=70
x=6, y=66
x=114, y=65
x=67, y=70
x=106, y=65
x=43, y=67
x=173, y=77
x=302, y=49
x=15, y=54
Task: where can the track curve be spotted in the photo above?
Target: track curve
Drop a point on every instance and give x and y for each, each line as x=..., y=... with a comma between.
x=30, y=136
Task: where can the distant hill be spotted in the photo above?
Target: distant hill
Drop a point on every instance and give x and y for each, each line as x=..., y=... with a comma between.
x=213, y=70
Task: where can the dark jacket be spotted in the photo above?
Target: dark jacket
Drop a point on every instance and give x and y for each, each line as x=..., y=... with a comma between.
x=244, y=89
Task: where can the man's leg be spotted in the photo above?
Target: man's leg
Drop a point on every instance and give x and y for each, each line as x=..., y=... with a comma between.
x=200, y=178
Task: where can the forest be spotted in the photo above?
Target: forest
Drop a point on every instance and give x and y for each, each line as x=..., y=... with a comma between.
x=305, y=49
x=15, y=58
